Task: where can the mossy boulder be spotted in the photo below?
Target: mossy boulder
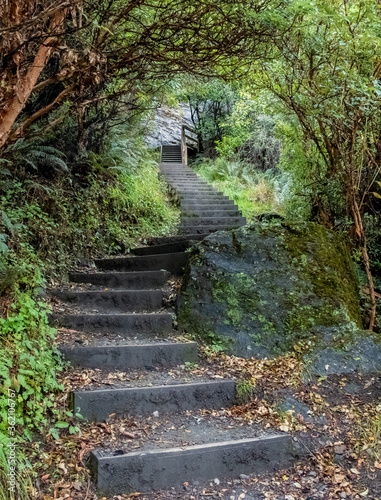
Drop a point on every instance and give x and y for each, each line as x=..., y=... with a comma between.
x=267, y=288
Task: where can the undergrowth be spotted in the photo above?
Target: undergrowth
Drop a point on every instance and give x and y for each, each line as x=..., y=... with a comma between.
x=48, y=223
x=255, y=192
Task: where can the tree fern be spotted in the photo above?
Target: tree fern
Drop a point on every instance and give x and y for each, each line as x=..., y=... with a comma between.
x=34, y=154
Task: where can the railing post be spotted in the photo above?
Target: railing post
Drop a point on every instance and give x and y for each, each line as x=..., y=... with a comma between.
x=184, y=148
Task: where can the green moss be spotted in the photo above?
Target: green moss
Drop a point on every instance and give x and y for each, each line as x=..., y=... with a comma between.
x=328, y=266
x=303, y=279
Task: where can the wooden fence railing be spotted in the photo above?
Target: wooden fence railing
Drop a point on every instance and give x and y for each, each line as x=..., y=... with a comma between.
x=188, y=140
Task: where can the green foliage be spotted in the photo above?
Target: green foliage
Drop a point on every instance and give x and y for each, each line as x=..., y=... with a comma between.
x=245, y=389
x=28, y=364
x=35, y=154
x=215, y=343
x=211, y=102
x=248, y=135
x=119, y=200
x=253, y=191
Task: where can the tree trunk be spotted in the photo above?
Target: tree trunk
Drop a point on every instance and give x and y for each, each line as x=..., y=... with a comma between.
x=360, y=232
x=26, y=83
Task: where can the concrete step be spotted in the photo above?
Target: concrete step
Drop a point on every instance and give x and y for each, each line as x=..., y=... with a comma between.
x=126, y=357
x=115, y=300
x=177, y=238
x=207, y=229
x=98, y=404
x=200, y=208
x=196, y=190
x=202, y=198
x=201, y=192
x=180, y=246
x=155, y=322
x=211, y=213
x=177, y=171
x=134, y=280
x=172, y=262
x=194, y=184
x=201, y=203
x=151, y=470
x=212, y=221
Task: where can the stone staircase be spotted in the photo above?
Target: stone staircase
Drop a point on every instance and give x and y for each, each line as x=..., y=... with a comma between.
x=122, y=315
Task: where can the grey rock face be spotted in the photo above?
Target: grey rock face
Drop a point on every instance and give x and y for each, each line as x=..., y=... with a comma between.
x=165, y=127
x=268, y=287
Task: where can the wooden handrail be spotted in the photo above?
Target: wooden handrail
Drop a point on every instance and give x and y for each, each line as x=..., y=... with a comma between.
x=184, y=147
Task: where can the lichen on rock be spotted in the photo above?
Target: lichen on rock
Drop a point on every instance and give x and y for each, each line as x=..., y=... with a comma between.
x=268, y=287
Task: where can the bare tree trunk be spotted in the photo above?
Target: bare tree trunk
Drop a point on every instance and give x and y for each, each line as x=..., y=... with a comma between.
x=26, y=83
x=360, y=232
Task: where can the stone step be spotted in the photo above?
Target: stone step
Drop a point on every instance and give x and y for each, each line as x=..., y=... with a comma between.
x=191, y=183
x=177, y=171
x=207, y=229
x=179, y=246
x=177, y=238
x=182, y=177
x=195, y=213
x=133, y=280
x=98, y=404
x=199, y=208
x=180, y=169
x=174, y=174
x=201, y=203
x=196, y=190
x=172, y=262
x=155, y=322
x=200, y=192
x=151, y=470
x=126, y=357
x=212, y=221
x=197, y=197
x=115, y=300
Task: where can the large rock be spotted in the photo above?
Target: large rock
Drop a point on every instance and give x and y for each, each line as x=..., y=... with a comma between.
x=269, y=287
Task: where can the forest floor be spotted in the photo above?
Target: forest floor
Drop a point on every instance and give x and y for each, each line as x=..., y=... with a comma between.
x=336, y=420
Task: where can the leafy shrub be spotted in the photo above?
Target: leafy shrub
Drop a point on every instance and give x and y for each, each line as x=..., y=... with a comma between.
x=253, y=191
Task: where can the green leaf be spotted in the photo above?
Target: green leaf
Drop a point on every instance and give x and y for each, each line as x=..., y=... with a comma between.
x=62, y=425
